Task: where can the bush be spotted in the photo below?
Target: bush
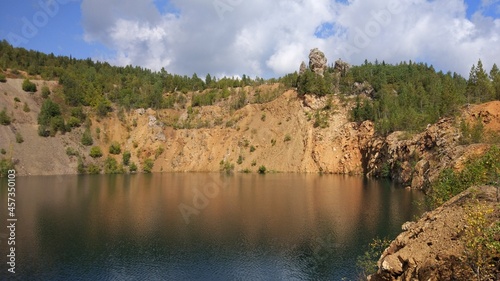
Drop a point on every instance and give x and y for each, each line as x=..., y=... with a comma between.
x=3, y=79
x=87, y=138
x=262, y=169
x=133, y=167
x=287, y=138
x=74, y=122
x=367, y=263
x=240, y=160
x=159, y=152
x=50, y=118
x=29, y=86
x=252, y=148
x=4, y=118
x=477, y=171
x=115, y=148
x=93, y=169
x=71, y=151
x=111, y=166
x=5, y=166
x=16, y=99
x=126, y=158
x=3, y=151
x=95, y=152
x=45, y=91
x=19, y=138
x=148, y=165
x=26, y=108
x=226, y=167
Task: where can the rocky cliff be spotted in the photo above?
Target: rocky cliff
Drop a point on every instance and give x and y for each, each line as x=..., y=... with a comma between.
x=286, y=134
x=447, y=243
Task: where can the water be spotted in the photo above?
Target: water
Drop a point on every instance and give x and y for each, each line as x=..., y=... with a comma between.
x=241, y=227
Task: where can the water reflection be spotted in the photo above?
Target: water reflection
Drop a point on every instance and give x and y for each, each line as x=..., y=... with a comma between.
x=277, y=226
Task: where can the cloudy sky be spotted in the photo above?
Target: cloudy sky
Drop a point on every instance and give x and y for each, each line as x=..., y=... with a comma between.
x=260, y=37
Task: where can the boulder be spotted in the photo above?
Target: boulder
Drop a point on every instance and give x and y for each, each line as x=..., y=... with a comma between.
x=317, y=61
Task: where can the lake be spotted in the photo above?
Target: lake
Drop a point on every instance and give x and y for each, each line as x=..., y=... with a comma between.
x=197, y=226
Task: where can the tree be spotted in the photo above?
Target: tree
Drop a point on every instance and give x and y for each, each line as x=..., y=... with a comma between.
x=495, y=78
x=126, y=158
x=87, y=138
x=115, y=148
x=4, y=117
x=95, y=152
x=28, y=86
x=148, y=166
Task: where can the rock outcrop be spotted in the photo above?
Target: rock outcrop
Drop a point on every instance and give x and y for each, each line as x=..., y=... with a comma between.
x=342, y=66
x=317, y=61
x=433, y=247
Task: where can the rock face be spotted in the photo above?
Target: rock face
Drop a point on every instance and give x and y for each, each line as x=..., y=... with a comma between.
x=433, y=247
x=302, y=68
x=317, y=61
x=342, y=66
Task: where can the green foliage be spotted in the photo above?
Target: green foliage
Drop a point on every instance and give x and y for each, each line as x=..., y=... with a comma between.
x=226, y=167
x=159, y=151
x=287, y=138
x=263, y=117
x=4, y=117
x=80, y=168
x=148, y=165
x=3, y=151
x=406, y=96
x=50, y=118
x=74, y=122
x=367, y=263
x=16, y=99
x=254, y=163
x=28, y=86
x=472, y=134
x=111, y=166
x=239, y=100
x=262, y=169
x=133, y=167
x=311, y=83
x=115, y=148
x=19, y=138
x=5, y=166
x=71, y=151
x=26, y=108
x=477, y=171
x=45, y=91
x=87, y=138
x=252, y=148
x=204, y=98
x=93, y=169
x=3, y=79
x=126, y=158
x=95, y=152
x=240, y=160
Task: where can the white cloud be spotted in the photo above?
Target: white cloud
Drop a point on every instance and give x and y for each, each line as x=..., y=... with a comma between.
x=271, y=38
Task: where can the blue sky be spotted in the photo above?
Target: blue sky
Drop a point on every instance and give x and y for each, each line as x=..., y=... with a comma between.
x=259, y=38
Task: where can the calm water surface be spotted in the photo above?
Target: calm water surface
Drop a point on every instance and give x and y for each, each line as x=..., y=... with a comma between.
x=241, y=227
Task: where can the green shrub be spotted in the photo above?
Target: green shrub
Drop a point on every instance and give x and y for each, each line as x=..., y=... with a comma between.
x=126, y=158
x=3, y=79
x=252, y=148
x=87, y=138
x=133, y=167
x=16, y=99
x=45, y=91
x=367, y=263
x=26, y=108
x=3, y=151
x=159, y=152
x=95, y=152
x=148, y=165
x=262, y=169
x=4, y=117
x=19, y=138
x=226, y=167
x=254, y=163
x=28, y=86
x=287, y=138
x=240, y=160
x=115, y=148
x=477, y=171
x=71, y=151
x=74, y=122
x=93, y=169
x=5, y=166
x=111, y=166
